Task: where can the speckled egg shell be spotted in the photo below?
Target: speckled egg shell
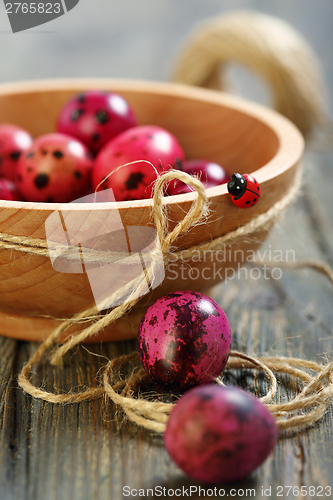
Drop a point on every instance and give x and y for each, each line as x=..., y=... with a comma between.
x=94, y=117
x=219, y=434
x=184, y=340
x=56, y=168
x=14, y=141
x=135, y=159
x=5, y=194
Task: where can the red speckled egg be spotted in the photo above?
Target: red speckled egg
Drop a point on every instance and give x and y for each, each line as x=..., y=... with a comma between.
x=14, y=141
x=219, y=434
x=136, y=181
x=184, y=340
x=5, y=194
x=57, y=168
x=95, y=117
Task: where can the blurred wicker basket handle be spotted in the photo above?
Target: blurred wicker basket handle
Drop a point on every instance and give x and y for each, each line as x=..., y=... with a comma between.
x=267, y=46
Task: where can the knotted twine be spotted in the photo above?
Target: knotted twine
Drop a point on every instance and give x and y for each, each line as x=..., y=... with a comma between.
x=312, y=401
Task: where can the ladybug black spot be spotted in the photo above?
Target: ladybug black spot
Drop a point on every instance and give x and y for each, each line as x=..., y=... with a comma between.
x=134, y=180
x=95, y=137
x=41, y=181
x=15, y=156
x=77, y=174
x=102, y=117
x=30, y=154
x=247, y=202
x=255, y=199
x=76, y=114
x=258, y=188
x=58, y=154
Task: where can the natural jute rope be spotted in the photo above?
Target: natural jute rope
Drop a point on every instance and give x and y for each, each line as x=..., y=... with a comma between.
x=271, y=49
x=302, y=411
x=317, y=390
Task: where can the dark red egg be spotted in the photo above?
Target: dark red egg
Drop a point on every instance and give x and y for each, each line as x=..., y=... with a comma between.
x=210, y=173
x=14, y=141
x=178, y=187
x=244, y=189
x=219, y=434
x=184, y=340
x=150, y=150
x=95, y=117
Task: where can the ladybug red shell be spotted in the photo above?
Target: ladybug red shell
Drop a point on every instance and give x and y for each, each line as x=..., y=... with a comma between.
x=244, y=189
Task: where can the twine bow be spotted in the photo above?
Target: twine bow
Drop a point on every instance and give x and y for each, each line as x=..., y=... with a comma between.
x=197, y=211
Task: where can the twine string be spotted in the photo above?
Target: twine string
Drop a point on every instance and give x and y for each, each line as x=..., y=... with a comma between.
x=273, y=50
x=315, y=396
x=311, y=402
x=35, y=246
x=197, y=211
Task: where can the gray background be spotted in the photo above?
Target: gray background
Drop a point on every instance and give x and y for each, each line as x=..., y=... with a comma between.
x=140, y=38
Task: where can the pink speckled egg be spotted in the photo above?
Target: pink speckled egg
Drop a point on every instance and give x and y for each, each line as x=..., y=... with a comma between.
x=184, y=340
x=55, y=169
x=219, y=434
x=14, y=141
x=94, y=117
x=158, y=149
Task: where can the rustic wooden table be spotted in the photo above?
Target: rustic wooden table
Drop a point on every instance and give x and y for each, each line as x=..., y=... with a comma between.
x=88, y=451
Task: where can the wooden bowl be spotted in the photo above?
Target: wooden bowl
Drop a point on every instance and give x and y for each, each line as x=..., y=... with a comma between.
x=241, y=135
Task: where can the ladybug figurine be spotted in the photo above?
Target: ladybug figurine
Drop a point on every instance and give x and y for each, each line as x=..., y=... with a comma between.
x=244, y=189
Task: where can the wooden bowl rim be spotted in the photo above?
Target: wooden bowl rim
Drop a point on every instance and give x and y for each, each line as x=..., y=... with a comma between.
x=290, y=139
